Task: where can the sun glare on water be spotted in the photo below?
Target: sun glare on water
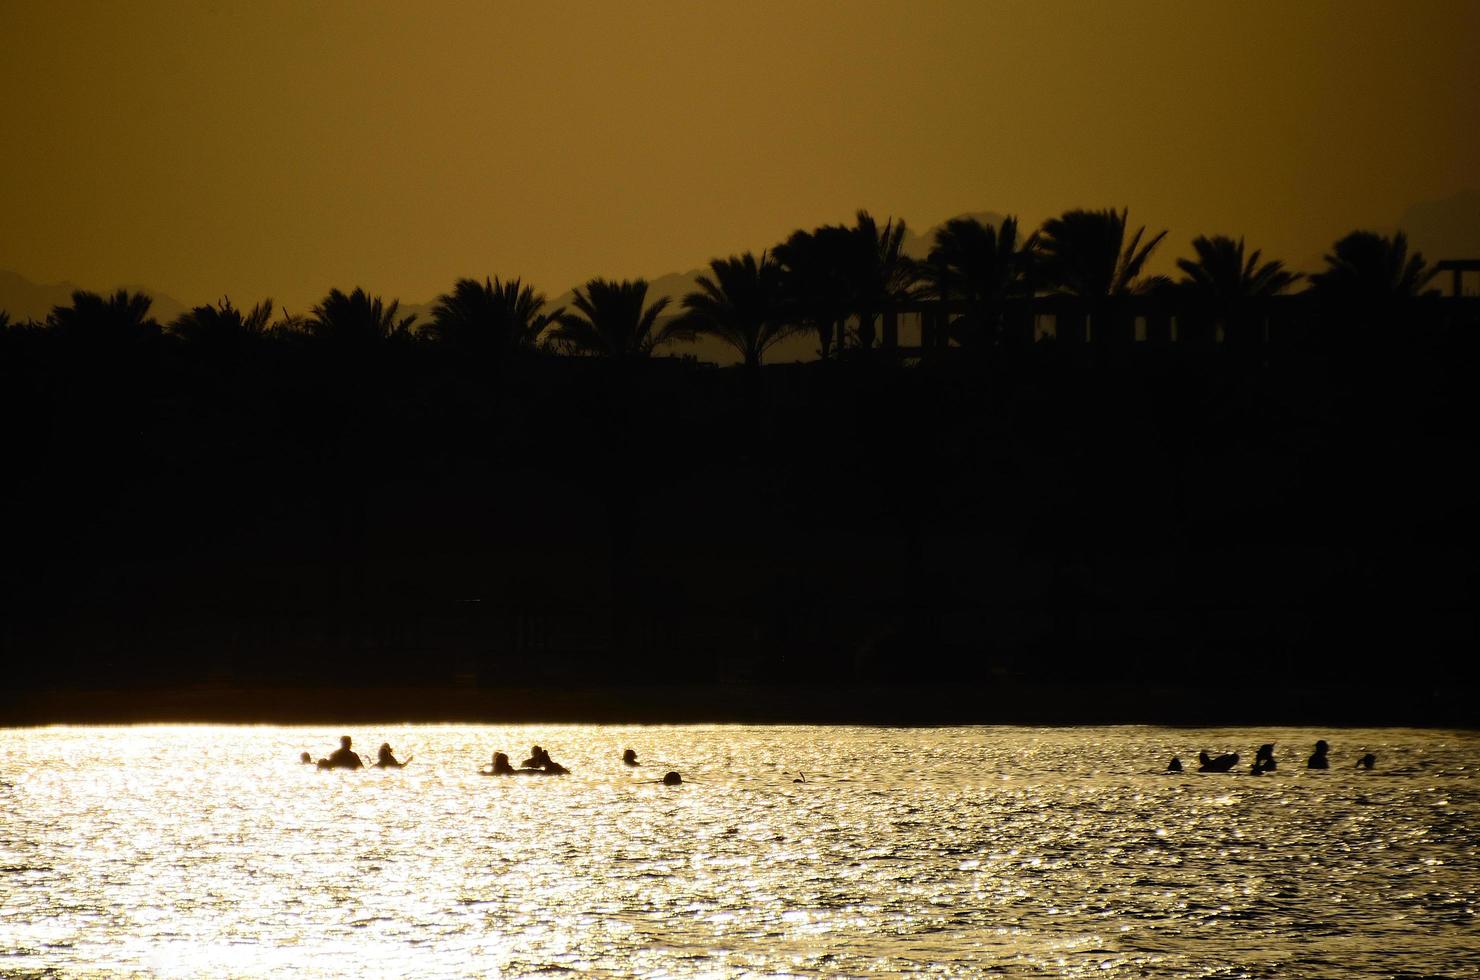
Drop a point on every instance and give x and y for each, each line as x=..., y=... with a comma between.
x=210, y=850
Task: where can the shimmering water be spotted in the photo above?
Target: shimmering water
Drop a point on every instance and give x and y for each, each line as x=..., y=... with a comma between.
x=187, y=851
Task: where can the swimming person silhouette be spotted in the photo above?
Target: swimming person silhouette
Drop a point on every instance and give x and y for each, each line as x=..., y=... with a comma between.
x=342, y=757
x=1318, y=758
x=501, y=766
x=1222, y=763
x=386, y=759
x=539, y=761
x=630, y=758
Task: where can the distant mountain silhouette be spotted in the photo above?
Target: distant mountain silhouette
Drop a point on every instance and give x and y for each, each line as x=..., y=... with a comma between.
x=919, y=246
x=1447, y=228
x=673, y=286
x=26, y=300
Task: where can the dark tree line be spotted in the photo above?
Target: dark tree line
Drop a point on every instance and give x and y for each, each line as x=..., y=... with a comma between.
x=833, y=281
x=513, y=493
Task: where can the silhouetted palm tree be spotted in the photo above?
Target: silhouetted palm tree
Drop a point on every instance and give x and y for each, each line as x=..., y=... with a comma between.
x=740, y=303
x=1222, y=273
x=357, y=318
x=837, y=271
x=613, y=320
x=878, y=273
x=1368, y=267
x=492, y=317
x=1220, y=279
x=1085, y=253
x=982, y=264
x=120, y=318
x=814, y=282
x=223, y=324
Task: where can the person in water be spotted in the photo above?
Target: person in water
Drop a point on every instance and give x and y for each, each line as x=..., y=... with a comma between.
x=1222, y=763
x=672, y=779
x=342, y=757
x=630, y=758
x=1367, y=761
x=305, y=757
x=386, y=759
x=539, y=761
x=501, y=766
x=1318, y=758
x=1264, y=760
x=1175, y=765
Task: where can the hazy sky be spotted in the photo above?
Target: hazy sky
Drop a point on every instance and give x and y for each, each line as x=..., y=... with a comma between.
x=279, y=149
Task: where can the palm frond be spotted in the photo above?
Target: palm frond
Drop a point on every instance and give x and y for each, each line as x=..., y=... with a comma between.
x=613, y=320
x=1367, y=267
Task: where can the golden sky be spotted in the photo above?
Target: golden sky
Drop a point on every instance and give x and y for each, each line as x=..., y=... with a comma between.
x=277, y=149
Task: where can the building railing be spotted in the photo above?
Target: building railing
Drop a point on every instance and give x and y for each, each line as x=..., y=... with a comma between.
x=1162, y=319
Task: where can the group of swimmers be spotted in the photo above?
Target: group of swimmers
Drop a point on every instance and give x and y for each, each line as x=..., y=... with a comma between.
x=539, y=762
x=1264, y=760
x=345, y=757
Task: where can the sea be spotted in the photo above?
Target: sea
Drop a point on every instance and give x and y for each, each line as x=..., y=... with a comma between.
x=806, y=851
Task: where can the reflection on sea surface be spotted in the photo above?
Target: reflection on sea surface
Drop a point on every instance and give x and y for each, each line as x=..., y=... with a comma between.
x=1027, y=852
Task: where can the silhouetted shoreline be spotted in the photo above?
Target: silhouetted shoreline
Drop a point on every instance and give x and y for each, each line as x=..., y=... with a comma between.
x=1213, y=486
x=1022, y=704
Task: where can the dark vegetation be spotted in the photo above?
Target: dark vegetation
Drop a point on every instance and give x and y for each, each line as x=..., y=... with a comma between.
x=1275, y=492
